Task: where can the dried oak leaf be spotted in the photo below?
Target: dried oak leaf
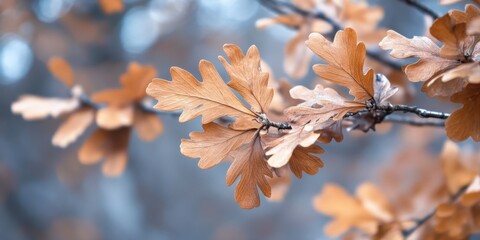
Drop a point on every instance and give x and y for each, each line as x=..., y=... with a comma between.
x=111, y=145
x=213, y=99
x=445, y=69
x=457, y=175
x=345, y=61
x=123, y=106
x=79, y=117
x=460, y=218
x=111, y=6
x=465, y=122
x=367, y=211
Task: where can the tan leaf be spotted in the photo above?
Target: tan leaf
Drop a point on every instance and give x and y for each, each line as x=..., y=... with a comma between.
x=302, y=160
x=281, y=149
x=112, y=117
x=251, y=167
x=297, y=55
x=34, y=107
x=247, y=78
x=111, y=6
x=211, y=98
x=62, y=70
x=474, y=27
x=465, y=122
x=73, y=127
x=327, y=104
x=111, y=145
x=147, y=125
x=456, y=173
x=375, y=202
x=424, y=48
x=136, y=80
x=345, y=62
x=346, y=211
x=214, y=144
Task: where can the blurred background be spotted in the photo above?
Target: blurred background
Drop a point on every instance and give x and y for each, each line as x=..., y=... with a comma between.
x=45, y=193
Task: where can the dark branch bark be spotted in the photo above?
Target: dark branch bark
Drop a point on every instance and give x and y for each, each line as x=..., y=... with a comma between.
x=423, y=113
x=413, y=122
x=419, y=223
x=282, y=7
x=421, y=8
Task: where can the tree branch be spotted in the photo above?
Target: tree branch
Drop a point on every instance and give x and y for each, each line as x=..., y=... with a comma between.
x=423, y=113
x=422, y=221
x=413, y=122
x=421, y=8
x=284, y=8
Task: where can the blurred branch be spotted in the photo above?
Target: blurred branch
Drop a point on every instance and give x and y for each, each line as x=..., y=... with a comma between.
x=413, y=122
x=421, y=8
x=285, y=8
x=422, y=221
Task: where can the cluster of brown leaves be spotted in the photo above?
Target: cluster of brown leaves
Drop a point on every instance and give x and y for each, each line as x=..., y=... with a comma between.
x=391, y=211
x=452, y=70
x=320, y=116
x=122, y=111
x=256, y=154
x=243, y=140
x=355, y=14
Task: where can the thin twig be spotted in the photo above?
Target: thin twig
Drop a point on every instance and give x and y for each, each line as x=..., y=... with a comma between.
x=420, y=222
x=413, y=122
x=283, y=8
x=423, y=113
x=421, y=8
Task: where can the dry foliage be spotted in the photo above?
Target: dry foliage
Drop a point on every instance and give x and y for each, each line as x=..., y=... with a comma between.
x=269, y=132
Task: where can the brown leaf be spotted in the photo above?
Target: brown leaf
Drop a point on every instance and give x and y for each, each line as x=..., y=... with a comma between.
x=136, y=80
x=112, y=117
x=282, y=148
x=76, y=123
x=111, y=6
x=465, y=122
x=211, y=98
x=62, y=70
x=302, y=160
x=424, y=48
x=326, y=104
x=147, y=125
x=111, y=145
x=214, y=144
x=346, y=210
x=34, y=107
x=251, y=166
x=345, y=62
x=247, y=78
x=457, y=175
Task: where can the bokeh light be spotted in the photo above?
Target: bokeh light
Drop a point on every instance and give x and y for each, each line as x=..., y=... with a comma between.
x=15, y=58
